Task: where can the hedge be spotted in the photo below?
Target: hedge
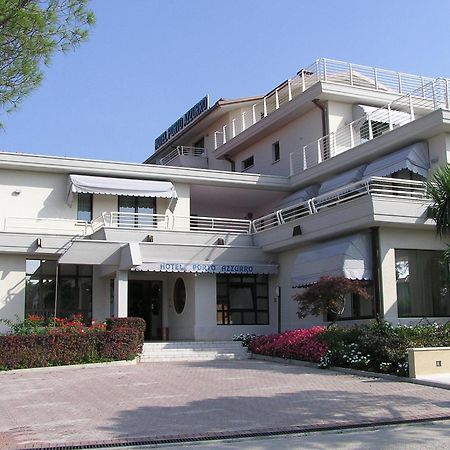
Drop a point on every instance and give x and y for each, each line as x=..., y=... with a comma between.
x=37, y=350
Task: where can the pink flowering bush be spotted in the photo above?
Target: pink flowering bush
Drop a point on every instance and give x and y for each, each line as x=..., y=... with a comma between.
x=304, y=344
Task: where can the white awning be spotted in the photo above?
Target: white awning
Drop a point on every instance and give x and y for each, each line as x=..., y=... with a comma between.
x=414, y=157
x=381, y=114
x=348, y=257
x=299, y=196
x=208, y=267
x=119, y=186
x=342, y=179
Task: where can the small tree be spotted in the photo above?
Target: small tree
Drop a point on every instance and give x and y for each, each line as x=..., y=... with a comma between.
x=438, y=189
x=328, y=296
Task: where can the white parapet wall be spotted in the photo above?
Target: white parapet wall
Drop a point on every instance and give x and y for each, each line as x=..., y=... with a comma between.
x=428, y=361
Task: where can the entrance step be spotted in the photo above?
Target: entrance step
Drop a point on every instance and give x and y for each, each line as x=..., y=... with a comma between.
x=193, y=351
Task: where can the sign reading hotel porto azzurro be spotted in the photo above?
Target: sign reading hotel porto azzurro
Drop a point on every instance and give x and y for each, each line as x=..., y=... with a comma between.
x=198, y=109
x=206, y=268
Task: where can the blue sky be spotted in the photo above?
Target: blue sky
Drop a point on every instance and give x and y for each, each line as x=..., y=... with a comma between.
x=149, y=61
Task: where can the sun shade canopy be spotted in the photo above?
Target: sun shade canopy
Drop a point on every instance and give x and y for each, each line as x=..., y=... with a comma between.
x=348, y=257
x=414, y=158
x=119, y=186
x=377, y=114
x=342, y=179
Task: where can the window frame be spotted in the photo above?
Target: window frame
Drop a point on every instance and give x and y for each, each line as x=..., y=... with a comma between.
x=224, y=310
x=91, y=202
x=276, y=157
x=244, y=162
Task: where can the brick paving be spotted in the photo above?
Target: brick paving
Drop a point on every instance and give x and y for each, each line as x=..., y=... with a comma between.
x=152, y=400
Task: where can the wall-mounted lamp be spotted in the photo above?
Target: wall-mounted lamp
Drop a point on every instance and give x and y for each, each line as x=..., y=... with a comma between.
x=39, y=243
x=297, y=231
x=16, y=191
x=220, y=241
x=148, y=238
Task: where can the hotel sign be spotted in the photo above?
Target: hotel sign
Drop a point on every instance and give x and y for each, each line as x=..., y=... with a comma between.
x=207, y=267
x=198, y=109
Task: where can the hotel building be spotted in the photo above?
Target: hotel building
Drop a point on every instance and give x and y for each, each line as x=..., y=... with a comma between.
x=243, y=203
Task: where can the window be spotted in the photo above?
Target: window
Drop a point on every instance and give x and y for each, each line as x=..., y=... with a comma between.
x=275, y=152
x=200, y=143
x=130, y=206
x=242, y=300
x=247, y=163
x=74, y=289
x=179, y=295
x=357, y=307
x=422, y=283
x=378, y=128
x=84, y=208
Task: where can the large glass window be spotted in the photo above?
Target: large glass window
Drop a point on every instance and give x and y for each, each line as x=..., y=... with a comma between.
x=357, y=307
x=422, y=283
x=242, y=300
x=74, y=289
x=130, y=206
x=84, y=208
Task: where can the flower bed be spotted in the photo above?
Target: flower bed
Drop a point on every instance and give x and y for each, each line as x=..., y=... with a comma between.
x=303, y=344
x=378, y=347
x=36, y=342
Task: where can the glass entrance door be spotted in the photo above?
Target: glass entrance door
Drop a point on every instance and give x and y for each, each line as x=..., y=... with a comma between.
x=145, y=300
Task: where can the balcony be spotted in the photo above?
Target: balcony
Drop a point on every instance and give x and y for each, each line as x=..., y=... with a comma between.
x=327, y=70
x=410, y=195
x=422, y=101
x=183, y=156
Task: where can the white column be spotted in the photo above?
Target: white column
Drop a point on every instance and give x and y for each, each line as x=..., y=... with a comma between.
x=121, y=294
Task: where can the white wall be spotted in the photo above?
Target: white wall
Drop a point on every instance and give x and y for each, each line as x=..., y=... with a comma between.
x=339, y=115
x=390, y=239
x=292, y=137
x=12, y=288
x=42, y=194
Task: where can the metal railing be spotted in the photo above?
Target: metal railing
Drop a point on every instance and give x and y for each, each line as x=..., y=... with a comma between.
x=182, y=150
x=332, y=71
x=405, y=109
x=375, y=186
x=170, y=222
x=135, y=220
x=46, y=225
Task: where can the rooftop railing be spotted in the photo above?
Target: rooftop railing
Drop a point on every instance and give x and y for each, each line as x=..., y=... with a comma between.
x=46, y=225
x=405, y=109
x=182, y=150
x=329, y=70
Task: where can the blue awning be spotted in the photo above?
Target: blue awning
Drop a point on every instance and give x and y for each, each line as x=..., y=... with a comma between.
x=414, y=158
x=348, y=257
x=342, y=179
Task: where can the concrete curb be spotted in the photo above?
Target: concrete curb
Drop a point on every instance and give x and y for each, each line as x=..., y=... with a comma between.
x=360, y=373
x=73, y=366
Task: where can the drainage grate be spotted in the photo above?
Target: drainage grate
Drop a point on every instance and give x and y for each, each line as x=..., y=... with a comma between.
x=235, y=435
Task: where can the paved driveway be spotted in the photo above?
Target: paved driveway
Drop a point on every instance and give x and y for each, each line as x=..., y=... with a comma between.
x=152, y=400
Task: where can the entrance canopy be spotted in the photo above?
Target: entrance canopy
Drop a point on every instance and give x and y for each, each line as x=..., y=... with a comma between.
x=119, y=186
x=414, y=157
x=208, y=267
x=348, y=257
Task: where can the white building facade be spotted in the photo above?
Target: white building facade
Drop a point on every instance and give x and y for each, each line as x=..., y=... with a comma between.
x=242, y=204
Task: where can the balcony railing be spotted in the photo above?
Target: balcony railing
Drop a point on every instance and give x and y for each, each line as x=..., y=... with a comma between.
x=182, y=151
x=375, y=186
x=169, y=222
x=328, y=70
x=405, y=109
x=46, y=225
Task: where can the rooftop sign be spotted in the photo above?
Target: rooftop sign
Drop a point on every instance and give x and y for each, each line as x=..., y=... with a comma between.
x=188, y=117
